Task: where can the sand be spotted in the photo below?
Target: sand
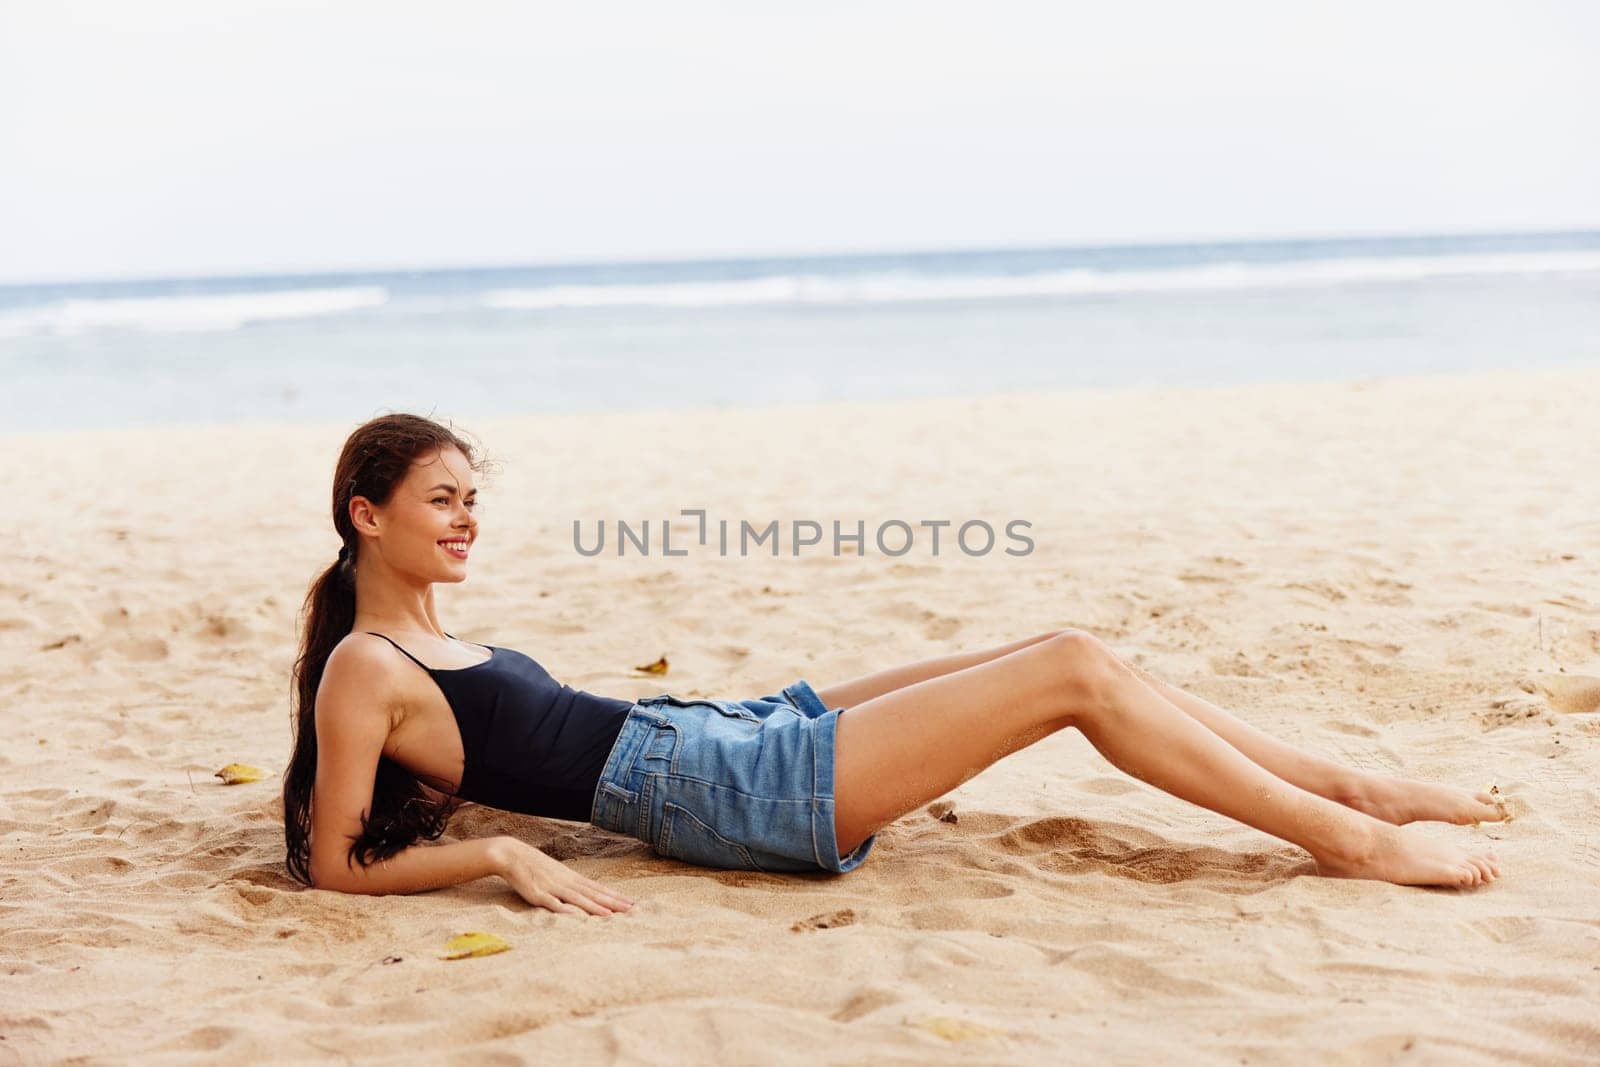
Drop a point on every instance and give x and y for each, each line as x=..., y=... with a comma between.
x=1399, y=573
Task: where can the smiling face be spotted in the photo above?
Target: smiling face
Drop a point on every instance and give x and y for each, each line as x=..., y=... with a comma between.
x=427, y=528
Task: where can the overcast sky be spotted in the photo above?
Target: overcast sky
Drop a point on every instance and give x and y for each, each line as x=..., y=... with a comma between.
x=160, y=138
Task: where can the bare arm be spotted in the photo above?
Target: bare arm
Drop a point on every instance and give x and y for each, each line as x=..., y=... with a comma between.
x=416, y=868
x=857, y=690
x=538, y=878
x=353, y=722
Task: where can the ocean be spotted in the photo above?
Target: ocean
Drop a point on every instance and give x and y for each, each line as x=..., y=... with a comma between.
x=611, y=336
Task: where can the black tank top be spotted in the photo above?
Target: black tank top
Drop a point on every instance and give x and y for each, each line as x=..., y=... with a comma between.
x=532, y=745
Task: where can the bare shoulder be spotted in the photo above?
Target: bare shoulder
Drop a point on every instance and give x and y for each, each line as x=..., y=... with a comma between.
x=361, y=670
x=354, y=723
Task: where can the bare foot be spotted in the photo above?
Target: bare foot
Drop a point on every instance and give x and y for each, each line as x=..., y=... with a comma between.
x=1403, y=800
x=1404, y=857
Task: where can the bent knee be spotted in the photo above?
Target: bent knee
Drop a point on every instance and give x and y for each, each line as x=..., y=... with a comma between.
x=1088, y=667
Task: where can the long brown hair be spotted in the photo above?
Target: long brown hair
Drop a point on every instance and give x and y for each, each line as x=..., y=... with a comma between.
x=373, y=462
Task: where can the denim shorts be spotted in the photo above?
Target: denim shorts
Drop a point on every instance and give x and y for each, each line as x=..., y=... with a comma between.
x=739, y=784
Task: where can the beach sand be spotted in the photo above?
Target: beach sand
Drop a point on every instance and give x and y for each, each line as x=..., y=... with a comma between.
x=1402, y=574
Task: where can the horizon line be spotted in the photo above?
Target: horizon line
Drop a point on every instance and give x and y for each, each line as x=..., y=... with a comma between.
x=685, y=259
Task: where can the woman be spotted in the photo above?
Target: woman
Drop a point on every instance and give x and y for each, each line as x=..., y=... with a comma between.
x=397, y=722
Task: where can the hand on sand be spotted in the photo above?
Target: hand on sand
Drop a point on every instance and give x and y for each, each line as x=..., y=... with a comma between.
x=547, y=882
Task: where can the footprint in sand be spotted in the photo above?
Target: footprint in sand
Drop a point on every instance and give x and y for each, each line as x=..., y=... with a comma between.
x=826, y=920
x=1567, y=693
x=1066, y=845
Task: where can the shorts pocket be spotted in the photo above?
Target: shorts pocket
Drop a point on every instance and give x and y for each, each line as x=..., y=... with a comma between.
x=731, y=709
x=685, y=837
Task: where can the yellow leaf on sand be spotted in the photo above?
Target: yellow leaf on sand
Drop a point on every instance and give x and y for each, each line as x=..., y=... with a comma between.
x=658, y=667
x=954, y=1029
x=234, y=773
x=474, y=943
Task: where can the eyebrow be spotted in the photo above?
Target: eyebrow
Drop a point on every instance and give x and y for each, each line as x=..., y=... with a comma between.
x=451, y=489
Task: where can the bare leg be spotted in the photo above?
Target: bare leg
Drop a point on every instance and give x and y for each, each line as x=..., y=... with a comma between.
x=848, y=694
x=905, y=747
x=1394, y=800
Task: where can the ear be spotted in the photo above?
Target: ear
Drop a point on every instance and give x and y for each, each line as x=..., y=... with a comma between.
x=362, y=515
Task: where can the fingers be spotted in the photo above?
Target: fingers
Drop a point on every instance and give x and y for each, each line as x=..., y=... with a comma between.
x=569, y=893
x=556, y=904
x=591, y=906
x=616, y=900
x=578, y=902
x=610, y=897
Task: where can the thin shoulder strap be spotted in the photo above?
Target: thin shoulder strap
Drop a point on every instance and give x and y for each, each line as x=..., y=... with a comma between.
x=408, y=655
x=453, y=637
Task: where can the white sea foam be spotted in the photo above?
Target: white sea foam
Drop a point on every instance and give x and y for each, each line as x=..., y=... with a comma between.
x=891, y=287
x=165, y=314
